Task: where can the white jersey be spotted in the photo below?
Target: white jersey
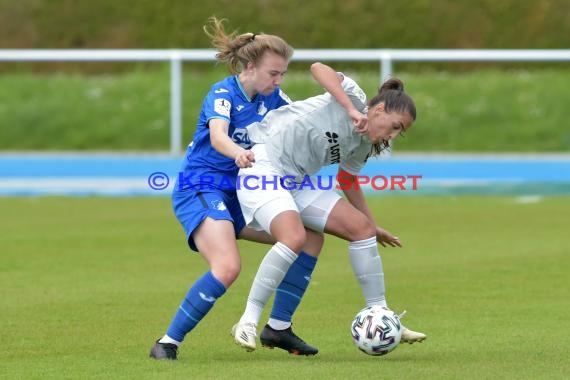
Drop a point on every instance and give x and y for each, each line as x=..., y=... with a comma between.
x=306, y=135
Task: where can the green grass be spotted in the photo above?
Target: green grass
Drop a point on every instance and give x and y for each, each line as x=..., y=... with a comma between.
x=89, y=283
x=479, y=111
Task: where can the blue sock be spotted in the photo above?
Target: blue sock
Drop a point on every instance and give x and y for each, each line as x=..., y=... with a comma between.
x=196, y=305
x=289, y=293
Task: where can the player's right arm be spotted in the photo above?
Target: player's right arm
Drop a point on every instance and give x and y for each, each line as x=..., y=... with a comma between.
x=225, y=145
x=331, y=81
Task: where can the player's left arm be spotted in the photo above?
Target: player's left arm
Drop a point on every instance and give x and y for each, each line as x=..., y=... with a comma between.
x=355, y=196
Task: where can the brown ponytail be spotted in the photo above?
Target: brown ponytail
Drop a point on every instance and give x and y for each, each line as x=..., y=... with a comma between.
x=238, y=50
x=392, y=94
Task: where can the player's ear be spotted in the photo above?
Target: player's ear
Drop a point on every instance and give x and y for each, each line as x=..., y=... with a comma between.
x=379, y=108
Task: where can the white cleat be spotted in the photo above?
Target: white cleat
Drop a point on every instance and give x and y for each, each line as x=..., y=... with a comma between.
x=410, y=336
x=244, y=335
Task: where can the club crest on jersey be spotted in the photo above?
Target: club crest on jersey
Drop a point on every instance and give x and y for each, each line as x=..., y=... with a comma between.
x=222, y=107
x=219, y=205
x=261, y=109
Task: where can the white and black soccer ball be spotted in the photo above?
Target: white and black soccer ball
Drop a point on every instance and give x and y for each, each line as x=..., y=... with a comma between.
x=376, y=330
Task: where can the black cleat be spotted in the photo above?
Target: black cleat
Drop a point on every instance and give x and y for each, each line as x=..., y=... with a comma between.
x=286, y=340
x=162, y=351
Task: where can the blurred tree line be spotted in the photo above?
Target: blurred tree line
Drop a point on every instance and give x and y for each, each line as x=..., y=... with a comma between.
x=149, y=24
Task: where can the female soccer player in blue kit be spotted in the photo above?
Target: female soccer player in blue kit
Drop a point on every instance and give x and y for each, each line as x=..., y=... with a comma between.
x=204, y=201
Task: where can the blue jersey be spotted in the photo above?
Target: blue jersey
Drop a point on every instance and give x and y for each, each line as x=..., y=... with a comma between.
x=226, y=100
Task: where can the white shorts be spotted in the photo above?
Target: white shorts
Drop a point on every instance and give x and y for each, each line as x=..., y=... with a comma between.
x=262, y=197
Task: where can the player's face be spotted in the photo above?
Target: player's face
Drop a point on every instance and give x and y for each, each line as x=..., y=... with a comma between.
x=384, y=126
x=268, y=73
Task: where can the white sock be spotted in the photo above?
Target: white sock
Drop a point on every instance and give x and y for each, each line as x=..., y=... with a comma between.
x=252, y=313
x=276, y=324
x=167, y=339
x=367, y=266
x=273, y=268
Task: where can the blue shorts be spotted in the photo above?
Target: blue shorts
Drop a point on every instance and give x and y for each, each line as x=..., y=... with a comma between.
x=192, y=207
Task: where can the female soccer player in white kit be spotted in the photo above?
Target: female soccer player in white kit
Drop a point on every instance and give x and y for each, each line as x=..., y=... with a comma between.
x=296, y=141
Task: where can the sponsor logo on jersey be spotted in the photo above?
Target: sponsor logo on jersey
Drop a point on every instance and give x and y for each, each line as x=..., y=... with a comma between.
x=334, y=148
x=222, y=107
x=332, y=137
x=241, y=138
x=220, y=91
x=240, y=107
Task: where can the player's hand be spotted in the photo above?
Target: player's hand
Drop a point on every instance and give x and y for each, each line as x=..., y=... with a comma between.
x=386, y=238
x=359, y=120
x=245, y=159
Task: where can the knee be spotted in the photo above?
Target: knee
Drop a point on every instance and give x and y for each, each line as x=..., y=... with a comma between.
x=361, y=228
x=295, y=240
x=226, y=272
x=314, y=242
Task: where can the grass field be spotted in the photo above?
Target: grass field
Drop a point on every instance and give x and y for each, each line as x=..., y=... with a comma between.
x=89, y=283
x=479, y=111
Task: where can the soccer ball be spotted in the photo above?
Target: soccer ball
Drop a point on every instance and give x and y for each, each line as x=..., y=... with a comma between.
x=376, y=330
